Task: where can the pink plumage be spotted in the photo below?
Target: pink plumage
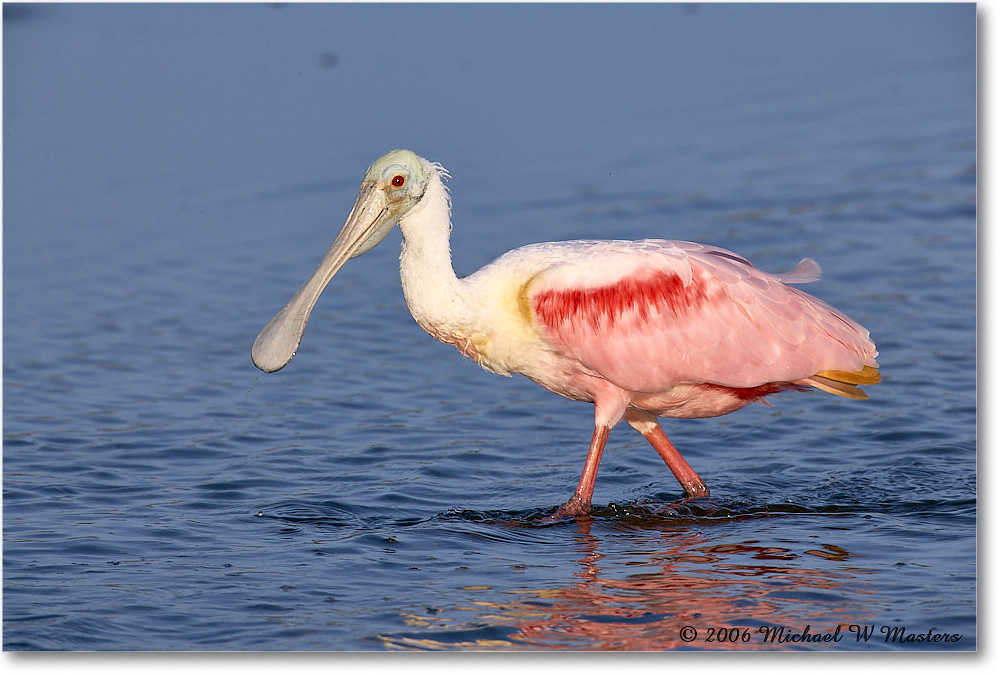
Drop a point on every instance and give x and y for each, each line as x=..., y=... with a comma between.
x=648, y=315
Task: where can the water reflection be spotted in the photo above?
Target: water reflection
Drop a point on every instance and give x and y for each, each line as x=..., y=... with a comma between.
x=679, y=590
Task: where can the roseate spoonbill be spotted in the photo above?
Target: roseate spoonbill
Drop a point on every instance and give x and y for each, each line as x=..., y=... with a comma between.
x=641, y=329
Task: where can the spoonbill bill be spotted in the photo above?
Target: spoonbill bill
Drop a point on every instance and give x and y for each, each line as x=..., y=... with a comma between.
x=641, y=329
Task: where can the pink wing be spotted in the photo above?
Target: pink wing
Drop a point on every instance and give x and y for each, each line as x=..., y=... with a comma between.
x=647, y=315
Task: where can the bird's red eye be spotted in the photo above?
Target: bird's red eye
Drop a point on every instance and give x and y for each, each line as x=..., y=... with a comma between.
x=398, y=181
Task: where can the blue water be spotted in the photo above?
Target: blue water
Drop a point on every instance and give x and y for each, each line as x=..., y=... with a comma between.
x=173, y=173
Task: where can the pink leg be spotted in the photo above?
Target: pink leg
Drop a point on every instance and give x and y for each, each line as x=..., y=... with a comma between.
x=579, y=503
x=646, y=424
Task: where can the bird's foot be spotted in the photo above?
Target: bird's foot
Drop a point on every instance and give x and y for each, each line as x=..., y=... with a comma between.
x=574, y=508
x=694, y=489
x=688, y=505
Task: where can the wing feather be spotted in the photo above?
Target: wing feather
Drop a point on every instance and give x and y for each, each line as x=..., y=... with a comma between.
x=650, y=314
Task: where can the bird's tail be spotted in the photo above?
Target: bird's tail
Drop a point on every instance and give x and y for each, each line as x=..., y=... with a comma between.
x=806, y=272
x=843, y=383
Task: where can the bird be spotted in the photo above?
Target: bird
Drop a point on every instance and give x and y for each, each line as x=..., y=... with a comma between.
x=641, y=329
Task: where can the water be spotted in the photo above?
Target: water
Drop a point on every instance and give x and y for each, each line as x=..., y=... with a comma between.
x=173, y=173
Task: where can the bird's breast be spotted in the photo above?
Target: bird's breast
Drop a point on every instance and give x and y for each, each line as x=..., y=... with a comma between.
x=476, y=346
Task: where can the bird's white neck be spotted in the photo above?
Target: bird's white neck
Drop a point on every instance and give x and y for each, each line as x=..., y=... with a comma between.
x=433, y=292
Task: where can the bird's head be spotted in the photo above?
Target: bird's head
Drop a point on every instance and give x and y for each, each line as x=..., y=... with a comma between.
x=392, y=186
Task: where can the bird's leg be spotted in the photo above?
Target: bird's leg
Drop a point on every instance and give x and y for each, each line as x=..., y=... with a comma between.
x=646, y=424
x=579, y=503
